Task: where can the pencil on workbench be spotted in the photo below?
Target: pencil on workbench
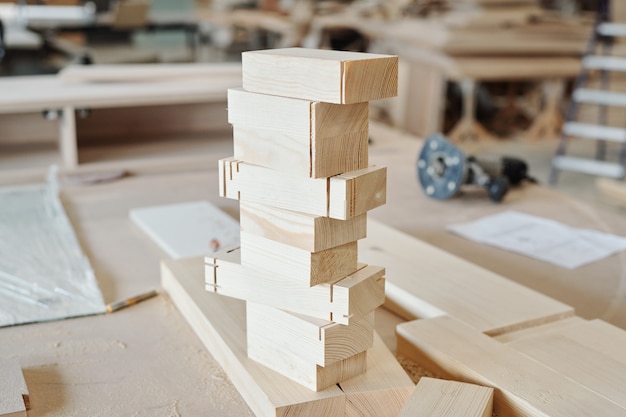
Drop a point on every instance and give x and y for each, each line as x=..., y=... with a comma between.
x=118, y=305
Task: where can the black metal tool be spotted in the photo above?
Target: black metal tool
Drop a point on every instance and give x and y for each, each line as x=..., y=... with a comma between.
x=443, y=168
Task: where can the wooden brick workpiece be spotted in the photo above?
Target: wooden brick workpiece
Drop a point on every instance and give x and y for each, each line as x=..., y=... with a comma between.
x=440, y=398
x=524, y=387
x=322, y=75
x=340, y=197
x=299, y=137
x=298, y=265
x=342, y=301
x=14, y=400
x=322, y=342
x=300, y=230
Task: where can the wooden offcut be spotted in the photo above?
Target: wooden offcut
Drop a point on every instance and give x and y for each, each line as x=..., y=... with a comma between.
x=322, y=75
x=300, y=230
x=298, y=265
x=342, y=301
x=441, y=398
x=316, y=341
x=340, y=197
x=14, y=399
x=424, y=281
x=524, y=387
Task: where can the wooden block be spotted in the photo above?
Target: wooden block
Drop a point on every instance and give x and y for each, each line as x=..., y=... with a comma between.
x=317, y=196
x=304, y=231
x=220, y=323
x=316, y=341
x=13, y=391
x=299, y=137
x=295, y=264
x=383, y=390
x=357, y=192
x=440, y=398
x=428, y=282
x=342, y=302
x=322, y=75
x=599, y=373
x=523, y=386
x=299, y=155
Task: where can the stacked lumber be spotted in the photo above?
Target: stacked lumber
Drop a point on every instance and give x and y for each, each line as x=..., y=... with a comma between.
x=295, y=331
x=301, y=174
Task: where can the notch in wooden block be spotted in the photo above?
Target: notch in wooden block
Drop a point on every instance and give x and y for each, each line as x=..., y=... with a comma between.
x=524, y=387
x=340, y=197
x=318, y=341
x=299, y=265
x=299, y=137
x=342, y=302
x=440, y=398
x=301, y=230
x=322, y=75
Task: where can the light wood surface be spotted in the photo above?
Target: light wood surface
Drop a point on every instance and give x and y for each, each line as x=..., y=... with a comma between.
x=523, y=386
x=341, y=301
x=13, y=390
x=440, y=398
x=298, y=265
x=321, y=75
x=423, y=281
x=304, y=231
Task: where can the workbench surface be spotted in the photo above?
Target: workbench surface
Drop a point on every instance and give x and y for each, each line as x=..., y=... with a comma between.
x=145, y=360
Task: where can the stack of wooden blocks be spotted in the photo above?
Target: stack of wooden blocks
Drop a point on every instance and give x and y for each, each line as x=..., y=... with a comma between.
x=300, y=171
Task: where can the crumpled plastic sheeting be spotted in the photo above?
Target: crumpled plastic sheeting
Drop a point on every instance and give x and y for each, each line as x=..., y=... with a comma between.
x=44, y=275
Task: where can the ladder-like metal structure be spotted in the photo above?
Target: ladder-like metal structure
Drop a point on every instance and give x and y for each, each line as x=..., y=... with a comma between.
x=600, y=41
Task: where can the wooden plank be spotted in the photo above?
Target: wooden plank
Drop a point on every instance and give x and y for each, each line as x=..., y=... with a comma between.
x=598, y=335
x=441, y=398
x=523, y=386
x=148, y=72
x=383, y=390
x=298, y=265
x=357, y=192
x=342, y=302
x=316, y=341
x=341, y=197
x=301, y=230
x=13, y=390
x=67, y=137
x=426, y=282
x=300, y=155
x=220, y=323
x=321, y=75
x=599, y=373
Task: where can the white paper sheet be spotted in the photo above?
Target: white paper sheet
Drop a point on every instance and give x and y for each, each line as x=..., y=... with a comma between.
x=187, y=229
x=540, y=238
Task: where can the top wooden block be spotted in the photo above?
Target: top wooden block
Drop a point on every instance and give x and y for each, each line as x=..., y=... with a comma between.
x=321, y=75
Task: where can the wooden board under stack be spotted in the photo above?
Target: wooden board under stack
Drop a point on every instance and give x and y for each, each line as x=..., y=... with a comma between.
x=301, y=174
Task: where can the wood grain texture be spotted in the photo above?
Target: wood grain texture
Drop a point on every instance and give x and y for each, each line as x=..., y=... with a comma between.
x=315, y=341
x=301, y=230
x=220, y=323
x=383, y=390
x=427, y=282
x=298, y=265
x=13, y=390
x=301, y=156
x=551, y=327
x=342, y=302
x=441, y=398
x=340, y=197
x=599, y=373
x=357, y=192
x=523, y=386
x=321, y=75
